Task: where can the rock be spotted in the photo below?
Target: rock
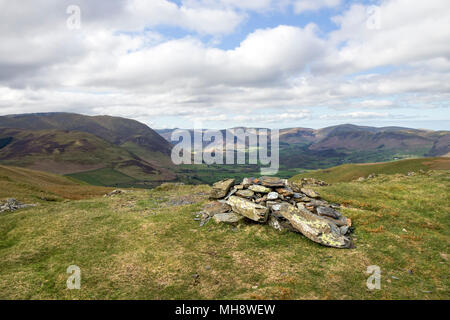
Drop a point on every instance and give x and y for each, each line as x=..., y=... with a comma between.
x=262, y=199
x=220, y=189
x=295, y=186
x=444, y=256
x=260, y=189
x=113, y=193
x=249, y=209
x=287, y=192
x=239, y=187
x=229, y=217
x=13, y=205
x=272, y=196
x=216, y=207
x=344, y=230
x=272, y=182
x=245, y=193
x=314, y=227
x=233, y=191
x=280, y=224
x=329, y=212
x=310, y=193
x=361, y=179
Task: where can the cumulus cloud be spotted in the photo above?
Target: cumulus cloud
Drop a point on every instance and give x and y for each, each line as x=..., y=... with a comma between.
x=395, y=55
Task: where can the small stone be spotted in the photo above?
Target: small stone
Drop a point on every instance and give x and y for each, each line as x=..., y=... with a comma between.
x=444, y=256
x=287, y=192
x=395, y=278
x=344, y=230
x=404, y=230
x=272, y=196
x=329, y=212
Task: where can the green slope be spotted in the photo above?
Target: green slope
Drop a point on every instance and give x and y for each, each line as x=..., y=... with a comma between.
x=141, y=245
x=349, y=172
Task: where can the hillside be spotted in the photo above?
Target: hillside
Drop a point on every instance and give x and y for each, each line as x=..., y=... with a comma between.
x=146, y=244
x=100, y=150
x=36, y=186
x=350, y=172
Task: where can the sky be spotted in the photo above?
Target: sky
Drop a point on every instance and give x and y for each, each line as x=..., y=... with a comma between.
x=226, y=63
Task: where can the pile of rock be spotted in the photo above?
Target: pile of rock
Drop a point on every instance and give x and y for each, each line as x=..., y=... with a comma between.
x=13, y=205
x=283, y=205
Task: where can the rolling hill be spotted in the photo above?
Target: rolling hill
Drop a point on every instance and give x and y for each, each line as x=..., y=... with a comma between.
x=350, y=172
x=31, y=186
x=101, y=150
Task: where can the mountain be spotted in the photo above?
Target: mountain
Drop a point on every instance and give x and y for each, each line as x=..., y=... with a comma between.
x=312, y=149
x=99, y=149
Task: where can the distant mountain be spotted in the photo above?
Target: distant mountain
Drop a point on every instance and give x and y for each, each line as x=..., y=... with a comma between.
x=313, y=149
x=92, y=148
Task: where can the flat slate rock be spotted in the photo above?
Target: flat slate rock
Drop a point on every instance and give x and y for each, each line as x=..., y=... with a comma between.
x=249, y=209
x=272, y=182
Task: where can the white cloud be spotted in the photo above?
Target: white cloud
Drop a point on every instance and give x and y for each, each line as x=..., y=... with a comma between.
x=301, y=6
x=274, y=75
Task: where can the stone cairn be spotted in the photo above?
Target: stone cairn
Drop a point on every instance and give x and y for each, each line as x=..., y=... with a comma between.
x=283, y=205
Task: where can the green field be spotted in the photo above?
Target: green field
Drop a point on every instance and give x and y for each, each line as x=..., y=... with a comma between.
x=143, y=245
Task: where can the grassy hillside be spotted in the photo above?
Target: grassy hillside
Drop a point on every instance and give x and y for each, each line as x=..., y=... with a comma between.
x=29, y=185
x=349, y=172
x=145, y=244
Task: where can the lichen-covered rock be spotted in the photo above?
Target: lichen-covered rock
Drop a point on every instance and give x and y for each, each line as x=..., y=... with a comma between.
x=313, y=227
x=228, y=217
x=260, y=189
x=249, y=209
x=310, y=193
x=245, y=193
x=220, y=189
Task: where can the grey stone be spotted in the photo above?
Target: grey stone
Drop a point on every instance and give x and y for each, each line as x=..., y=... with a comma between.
x=272, y=196
x=329, y=212
x=249, y=209
x=229, y=217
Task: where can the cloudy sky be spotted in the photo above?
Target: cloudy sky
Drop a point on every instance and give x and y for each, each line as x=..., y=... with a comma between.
x=224, y=63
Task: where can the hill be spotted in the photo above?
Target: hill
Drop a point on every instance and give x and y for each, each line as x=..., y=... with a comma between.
x=36, y=186
x=350, y=172
x=310, y=149
x=101, y=150
x=146, y=244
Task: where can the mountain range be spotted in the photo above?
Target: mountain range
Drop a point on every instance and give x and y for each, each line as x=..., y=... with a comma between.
x=113, y=151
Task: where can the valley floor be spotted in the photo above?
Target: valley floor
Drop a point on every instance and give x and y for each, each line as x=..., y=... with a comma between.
x=146, y=244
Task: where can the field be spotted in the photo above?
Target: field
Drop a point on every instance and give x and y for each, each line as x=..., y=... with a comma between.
x=145, y=244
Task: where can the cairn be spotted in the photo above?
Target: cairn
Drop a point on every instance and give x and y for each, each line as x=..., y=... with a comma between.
x=283, y=205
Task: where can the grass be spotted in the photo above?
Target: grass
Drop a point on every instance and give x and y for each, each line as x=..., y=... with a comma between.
x=103, y=177
x=141, y=245
x=31, y=185
x=349, y=172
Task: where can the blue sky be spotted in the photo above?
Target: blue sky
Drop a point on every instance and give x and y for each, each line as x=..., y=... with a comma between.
x=226, y=63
